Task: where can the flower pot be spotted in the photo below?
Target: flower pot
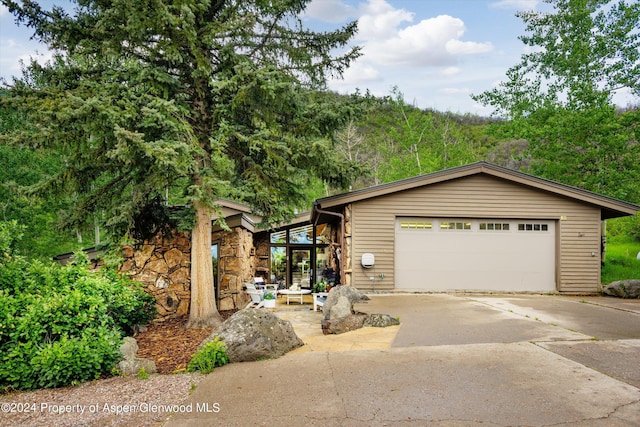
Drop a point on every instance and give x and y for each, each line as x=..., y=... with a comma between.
x=269, y=303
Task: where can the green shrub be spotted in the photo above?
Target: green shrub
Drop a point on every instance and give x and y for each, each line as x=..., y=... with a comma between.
x=621, y=261
x=210, y=356
x=63, y=325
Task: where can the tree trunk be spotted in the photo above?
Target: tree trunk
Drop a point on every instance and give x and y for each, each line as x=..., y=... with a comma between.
x=203, y=311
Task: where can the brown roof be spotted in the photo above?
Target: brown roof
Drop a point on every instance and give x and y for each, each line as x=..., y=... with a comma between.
x=610, y=207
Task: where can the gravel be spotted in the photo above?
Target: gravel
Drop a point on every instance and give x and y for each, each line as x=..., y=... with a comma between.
x=118, y=401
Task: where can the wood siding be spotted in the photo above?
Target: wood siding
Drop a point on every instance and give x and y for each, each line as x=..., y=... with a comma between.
x=478, y=196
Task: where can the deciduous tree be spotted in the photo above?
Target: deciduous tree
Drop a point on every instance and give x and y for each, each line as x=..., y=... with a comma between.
x=559, y=97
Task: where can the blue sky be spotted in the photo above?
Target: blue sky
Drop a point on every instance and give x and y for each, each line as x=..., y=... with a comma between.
x=437, y=52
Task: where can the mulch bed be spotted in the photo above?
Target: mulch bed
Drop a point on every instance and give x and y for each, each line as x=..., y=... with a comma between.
x=170, y=345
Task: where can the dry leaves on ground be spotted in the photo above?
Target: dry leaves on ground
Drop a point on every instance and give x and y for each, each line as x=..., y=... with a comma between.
x=121, y=401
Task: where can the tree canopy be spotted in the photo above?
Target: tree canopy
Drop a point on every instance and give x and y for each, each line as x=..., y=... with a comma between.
x=559, y=97
x=206, y=98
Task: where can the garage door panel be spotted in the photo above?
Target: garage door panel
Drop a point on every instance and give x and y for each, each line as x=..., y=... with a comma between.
x=445, y=259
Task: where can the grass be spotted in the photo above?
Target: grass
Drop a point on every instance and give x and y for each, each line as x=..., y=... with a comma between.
x=621, y=262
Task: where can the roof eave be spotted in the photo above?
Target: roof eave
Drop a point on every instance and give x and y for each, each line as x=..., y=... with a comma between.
x=611, y=207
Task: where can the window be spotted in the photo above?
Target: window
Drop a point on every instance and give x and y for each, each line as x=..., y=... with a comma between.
x=446, y=225
x=416, y=225
x=533, y=227
x=301, y=235
x=494, y=226
x=323, y=233
x=279, y=237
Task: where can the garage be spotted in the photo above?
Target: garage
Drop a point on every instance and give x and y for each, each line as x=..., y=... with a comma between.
x=473, y=227
x=439, y=254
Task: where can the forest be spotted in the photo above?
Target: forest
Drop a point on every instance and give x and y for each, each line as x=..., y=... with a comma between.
x=387, y=137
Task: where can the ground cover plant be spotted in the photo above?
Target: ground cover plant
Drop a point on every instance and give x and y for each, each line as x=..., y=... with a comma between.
x=210, y=356
x=62, y=325
x=621, y=260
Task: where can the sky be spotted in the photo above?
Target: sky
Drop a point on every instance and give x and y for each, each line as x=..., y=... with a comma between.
x=436, y=52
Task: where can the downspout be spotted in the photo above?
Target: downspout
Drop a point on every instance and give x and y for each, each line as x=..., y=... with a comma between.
x=342, y=237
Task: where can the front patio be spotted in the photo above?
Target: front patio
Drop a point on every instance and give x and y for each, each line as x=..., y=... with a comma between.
x=306, y=324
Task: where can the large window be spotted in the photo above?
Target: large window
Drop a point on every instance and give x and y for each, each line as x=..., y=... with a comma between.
x=300, y=254
x=278, y=264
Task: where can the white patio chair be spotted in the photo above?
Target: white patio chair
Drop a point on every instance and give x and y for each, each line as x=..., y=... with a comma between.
x=256, y=299
x=319, y=299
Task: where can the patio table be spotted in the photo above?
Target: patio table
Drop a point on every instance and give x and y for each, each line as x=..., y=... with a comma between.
x=294, y=294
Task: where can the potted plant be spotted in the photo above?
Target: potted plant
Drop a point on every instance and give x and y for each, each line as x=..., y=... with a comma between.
x=269, y=299
x=320, y=286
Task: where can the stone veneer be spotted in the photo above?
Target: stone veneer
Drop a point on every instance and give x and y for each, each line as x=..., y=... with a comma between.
x=236, y=266
x=162, y=265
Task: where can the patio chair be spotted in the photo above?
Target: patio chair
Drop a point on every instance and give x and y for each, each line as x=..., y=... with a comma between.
x=252, y=287
x=318, y=299
x=258, y=282
x=256, y=299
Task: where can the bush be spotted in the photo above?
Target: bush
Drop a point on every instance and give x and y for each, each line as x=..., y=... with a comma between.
x=63, y=325
x=210, y=356
x=624, y=227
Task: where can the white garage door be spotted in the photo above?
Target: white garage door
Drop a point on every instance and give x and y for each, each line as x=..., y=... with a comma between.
x=475, y=254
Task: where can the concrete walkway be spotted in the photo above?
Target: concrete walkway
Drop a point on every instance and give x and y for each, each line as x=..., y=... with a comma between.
x=455, y=360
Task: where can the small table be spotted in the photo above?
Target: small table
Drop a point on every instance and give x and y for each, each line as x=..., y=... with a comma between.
x=294, y=294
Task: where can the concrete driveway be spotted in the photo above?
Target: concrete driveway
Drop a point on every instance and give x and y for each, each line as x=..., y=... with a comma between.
x=457, y=360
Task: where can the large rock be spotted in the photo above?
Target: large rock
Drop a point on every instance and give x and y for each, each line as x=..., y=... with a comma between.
x=252, y=334
x=132, y=364
x=340, y=302
x=380, y=321
x=343, y=324
x=623, y=289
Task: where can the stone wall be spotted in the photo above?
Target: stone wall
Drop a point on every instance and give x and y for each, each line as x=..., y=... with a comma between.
x=236, y=266
x=162, y=265
x=263, y=250
x=347, y=255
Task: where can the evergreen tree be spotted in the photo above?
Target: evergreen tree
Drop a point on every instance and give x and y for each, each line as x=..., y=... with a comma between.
x=212, y=98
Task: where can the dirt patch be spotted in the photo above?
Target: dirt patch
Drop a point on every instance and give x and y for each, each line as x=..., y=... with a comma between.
x=170, y=345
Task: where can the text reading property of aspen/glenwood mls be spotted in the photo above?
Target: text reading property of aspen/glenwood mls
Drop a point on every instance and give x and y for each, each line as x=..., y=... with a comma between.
x=53, y=408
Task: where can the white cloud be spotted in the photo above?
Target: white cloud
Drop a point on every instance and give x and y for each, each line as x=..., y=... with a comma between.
x=330, y=10
x=457, y=47
x=14, y=52
x=450, y=71
x=359, y=72
x=379, y=20
x=3, y=10
x=431, y=42
x=516, y=4
x=455, y=90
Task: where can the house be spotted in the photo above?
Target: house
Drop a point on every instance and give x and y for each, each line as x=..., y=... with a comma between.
x=478, y=227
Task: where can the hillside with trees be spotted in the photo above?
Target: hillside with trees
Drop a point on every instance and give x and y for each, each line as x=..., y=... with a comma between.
x=129, y=118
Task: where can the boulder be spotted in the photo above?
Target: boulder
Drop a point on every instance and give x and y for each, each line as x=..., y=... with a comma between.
x=252, y=334
x=380, y=321
x=340, y=301
x=623, y=289
x=341, y=325
x=341, y=308
x=131, y=364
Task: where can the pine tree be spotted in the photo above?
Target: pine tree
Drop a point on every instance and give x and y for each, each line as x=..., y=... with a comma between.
x=207, y=98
